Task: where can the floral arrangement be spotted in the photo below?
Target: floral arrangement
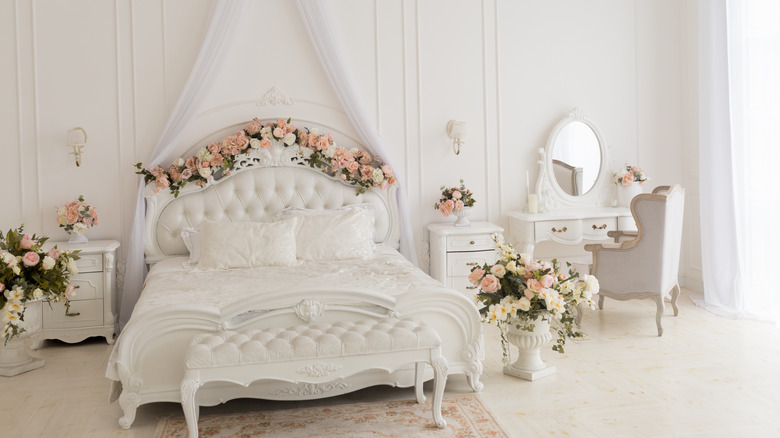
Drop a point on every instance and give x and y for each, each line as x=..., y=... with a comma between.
x=454, y=199
x=77, y=216
x=629, y=174
x=519, y=290
x=356, y=167
x=27, y=274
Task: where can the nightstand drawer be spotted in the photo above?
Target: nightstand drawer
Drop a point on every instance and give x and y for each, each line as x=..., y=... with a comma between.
x=90, y=263
x=460, y=264
x=90, y=286
x=477, y=242
x=85, y=313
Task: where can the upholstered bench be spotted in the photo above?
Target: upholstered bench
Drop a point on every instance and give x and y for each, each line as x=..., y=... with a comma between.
x=313, y=353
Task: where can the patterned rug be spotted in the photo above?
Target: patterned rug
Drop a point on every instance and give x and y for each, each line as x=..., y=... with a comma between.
x=466, y=416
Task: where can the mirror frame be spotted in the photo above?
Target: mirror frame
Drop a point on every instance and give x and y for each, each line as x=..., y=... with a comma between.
x=551, y=195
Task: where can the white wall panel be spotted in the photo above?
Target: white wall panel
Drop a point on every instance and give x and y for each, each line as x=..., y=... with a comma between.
x=12, y=211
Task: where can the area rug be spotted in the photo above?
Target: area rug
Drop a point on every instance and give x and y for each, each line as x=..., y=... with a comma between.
x=466, y=416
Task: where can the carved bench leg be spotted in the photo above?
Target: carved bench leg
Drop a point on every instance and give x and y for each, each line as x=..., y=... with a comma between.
x=190, y=405
x=439, y=364
x=659, y=303
x=419, y=369
x=129, y=403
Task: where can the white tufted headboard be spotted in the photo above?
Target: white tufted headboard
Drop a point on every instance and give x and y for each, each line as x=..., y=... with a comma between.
x=260, y=188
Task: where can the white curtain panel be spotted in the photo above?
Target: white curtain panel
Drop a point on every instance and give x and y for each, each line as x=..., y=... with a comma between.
x=318, y=22
x=739, y=124
x=204, y=72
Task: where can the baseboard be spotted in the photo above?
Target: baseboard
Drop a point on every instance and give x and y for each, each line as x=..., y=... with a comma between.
x=694, y=284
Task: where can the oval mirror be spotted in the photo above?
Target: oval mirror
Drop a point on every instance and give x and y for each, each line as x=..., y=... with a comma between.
x=576, y=158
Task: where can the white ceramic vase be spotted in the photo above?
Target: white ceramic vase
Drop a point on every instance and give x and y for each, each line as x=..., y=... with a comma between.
x=77, y=238
x=14, y=355
x=626, y=193
x=529, y=364
x=463, y=217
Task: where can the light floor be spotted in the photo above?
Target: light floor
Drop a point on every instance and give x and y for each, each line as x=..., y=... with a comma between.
x=707, y=376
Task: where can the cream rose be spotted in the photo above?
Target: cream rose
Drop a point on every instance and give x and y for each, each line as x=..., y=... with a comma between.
x=254, y=143
x=498, y=270
x=289, y=139
x=48, y=263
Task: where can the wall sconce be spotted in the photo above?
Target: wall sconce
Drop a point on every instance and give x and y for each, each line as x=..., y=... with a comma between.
x=457, y=132
x=77, y=139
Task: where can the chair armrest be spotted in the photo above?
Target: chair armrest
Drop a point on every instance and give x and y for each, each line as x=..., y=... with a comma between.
x=660, y=189
x=617, y=235
x=594, y=247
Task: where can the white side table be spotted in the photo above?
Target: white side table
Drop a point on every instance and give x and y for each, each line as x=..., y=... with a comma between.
x=91, y=310
x=455, y=250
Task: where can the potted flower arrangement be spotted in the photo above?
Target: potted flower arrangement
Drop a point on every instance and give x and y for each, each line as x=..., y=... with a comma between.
x=628, y=181
x=76, y=217
x=28, y=274
x=458, y=200
x=524, y=298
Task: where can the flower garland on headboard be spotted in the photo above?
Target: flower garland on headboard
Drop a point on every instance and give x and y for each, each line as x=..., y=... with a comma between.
x=353, y=166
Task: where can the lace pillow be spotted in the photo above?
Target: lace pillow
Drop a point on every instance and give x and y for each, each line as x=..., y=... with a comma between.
x=227, y=245
x=192, y=241
x=341, y=234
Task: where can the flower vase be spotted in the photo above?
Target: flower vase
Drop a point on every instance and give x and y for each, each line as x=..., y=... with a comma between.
x=14, y=356
x=77, y=238
x=626, y=193
x=529, y=364
x=463, y=217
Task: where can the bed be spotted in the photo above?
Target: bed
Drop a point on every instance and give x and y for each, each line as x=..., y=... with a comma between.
x=180, y=301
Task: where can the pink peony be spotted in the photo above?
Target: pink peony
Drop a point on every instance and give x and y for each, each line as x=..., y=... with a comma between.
x=27, y=242
x=253, y=127
x=547, y=281
x=31, y=259
x=490, y=283
x=476, y=276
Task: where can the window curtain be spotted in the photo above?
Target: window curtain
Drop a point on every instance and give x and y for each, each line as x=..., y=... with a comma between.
x=318, y=22
x=204, y=72
x=739, y=131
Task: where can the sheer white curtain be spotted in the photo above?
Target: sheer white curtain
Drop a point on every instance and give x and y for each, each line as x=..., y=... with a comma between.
x=226, y=15
x=318, y=22
x=739, y=136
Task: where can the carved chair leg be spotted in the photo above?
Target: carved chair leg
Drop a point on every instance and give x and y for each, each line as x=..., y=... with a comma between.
x=659, y=302
x=675, y=296
x=419, y=369
x=601, y=302
x=439, y=364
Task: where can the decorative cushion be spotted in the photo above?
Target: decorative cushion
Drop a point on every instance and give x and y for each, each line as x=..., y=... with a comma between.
x=340, y=234
x=192, y=240
x=227, y=245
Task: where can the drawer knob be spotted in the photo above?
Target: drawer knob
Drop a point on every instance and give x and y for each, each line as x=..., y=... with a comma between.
x=599, y=228
x=472, y=242
x=67, y=310
x=562, y=230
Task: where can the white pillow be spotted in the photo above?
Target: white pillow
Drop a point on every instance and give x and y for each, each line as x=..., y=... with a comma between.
x=340, y=234
x=227, y=245
x=192, y=240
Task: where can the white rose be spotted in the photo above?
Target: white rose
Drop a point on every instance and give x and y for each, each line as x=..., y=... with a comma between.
x=37, y=293
x=378, y=176
x=315, y=131
x=524, y=304
x=591, y=284
x=79, y=227
x=61, y=211
x=205, y=172
x=204, y=155
x=498, y=270
x=48, y=263
x=354, y=151
x=329, y=151
x=511, y=267
x=289, y=138
x=265, y=132
x=72, y=268
x=254, y=143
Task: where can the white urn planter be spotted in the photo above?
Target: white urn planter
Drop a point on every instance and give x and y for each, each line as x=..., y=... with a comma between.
x=76, y=237
x=463, y=217
x=626, y=193
x=529, y=364
x=14, y=355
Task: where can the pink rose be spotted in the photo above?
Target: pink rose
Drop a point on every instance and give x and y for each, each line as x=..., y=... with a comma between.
x=490, y=283
x=628, y=178
x=281, y=124
x=265, y=143
x=476, y=276
x=186, y=173
x=323, y=143
x=534, y=285
x=528, y=294
x=547, y=281
x=191, y=164
x=31, y=259
x=72, y=215
x=53, y=253
x=459, y=205
x=163, y=182
x=387, y=171
x=213, y=148
x=27, y=242
x=69, y=291
x=253, y=127
x=532, y=266
x=278, y=132
x=289, y=129
x=241, y=141
x=216, y=160
x=456, y=195
x=352, y=166
x=2, y=287
x=366, y=173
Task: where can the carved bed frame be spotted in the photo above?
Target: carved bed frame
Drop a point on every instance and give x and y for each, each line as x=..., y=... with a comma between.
x=148, y=356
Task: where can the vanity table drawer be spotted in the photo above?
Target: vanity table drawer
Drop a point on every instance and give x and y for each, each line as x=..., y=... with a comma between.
x=474, y=242
x=460, y=264
x=560, y=231
x=597, y=228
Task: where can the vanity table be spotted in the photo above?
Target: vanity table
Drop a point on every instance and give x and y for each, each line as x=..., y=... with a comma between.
x=574, y=190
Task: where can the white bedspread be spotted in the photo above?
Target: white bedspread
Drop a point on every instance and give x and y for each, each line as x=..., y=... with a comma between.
x=169, y=282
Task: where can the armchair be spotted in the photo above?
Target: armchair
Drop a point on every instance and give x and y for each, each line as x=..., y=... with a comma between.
x=644, y=264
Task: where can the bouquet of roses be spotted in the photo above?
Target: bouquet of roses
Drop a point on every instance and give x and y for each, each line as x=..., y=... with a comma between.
x=77, y=216
x=629, y=175
x=454, y=199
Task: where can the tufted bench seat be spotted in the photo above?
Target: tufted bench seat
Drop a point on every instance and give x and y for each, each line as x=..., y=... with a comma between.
x=313, y=353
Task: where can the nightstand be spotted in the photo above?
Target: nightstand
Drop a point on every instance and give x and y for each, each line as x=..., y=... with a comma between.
x=91, y=310
x=455, y=250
